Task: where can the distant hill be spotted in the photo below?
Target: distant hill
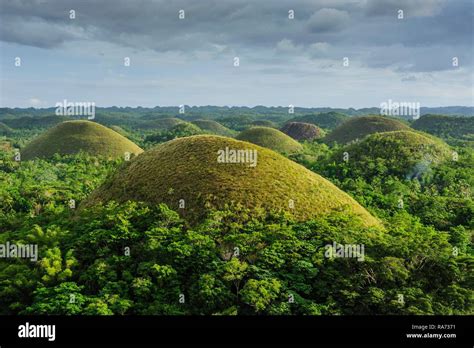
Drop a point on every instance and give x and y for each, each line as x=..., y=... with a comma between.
x=213, y=127
x=264, y=123
x=406, y=154
x=270, y=138
x=5, y=130
x=327, y=120
x=187, y=171
x=302, y=131
x=75, y=136
x=29, y=122
x=358, y=128
x=160, y=124
x=446, y=127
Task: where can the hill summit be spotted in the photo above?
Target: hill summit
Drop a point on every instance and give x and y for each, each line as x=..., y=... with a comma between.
x=358, y=128
x=71, y=137
x=195, y=174
x=270, y=138
x=302, y=131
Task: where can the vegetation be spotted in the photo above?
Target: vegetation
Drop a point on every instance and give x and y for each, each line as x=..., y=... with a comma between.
x=270, y=138
x=446, y=127
x=213, y=127
x=75, y=136
x=358, y=128
x=188, y=169
x=113, y=238
x=325, y=120
x=302, y=131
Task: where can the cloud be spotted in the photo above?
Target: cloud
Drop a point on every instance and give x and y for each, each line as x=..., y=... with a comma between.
x=328, y=19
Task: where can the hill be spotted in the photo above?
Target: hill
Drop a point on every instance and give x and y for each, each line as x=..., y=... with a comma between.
x=406, y=154
x=446, y=127
x=302, y=131
x=75, y=136
x=264, y=123
x=160, y=124
x=358, y=128
x=326, y=120
x=29, y=122
x=270, y=138
x=5, y=130
x=189, y=169
x=213, y=127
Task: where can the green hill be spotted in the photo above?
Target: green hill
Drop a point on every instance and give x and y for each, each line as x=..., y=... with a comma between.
x=160, y=124
x=74, y=136
x=302, y=131
x=358, y=128
x=326, y=120
x=446, y=127
x=270, y=138
x=5, y=130
x=29, y=122
x=213, y=127
x=405, y=154
x=264, y=123
x=189, y=169
x=119, y=130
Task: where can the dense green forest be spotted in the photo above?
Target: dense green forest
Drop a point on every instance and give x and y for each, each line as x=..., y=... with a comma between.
x=142, y=258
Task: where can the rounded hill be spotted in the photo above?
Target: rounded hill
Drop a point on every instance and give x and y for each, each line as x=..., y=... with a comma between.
x=160, y=123
x=213, y=127
x=358, y=128
x=302, y=131
x=406, y=154
x=200, y=171
x=72, y=137
x=270, y=138
x=326, y=120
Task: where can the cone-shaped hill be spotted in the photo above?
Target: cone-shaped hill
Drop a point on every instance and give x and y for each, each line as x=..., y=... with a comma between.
x=160, y=123
x=210, y=126
x=302, y=131
x=358, y=128
x=264, y=123
x=197, y=170
x=402, y=153
x=270, y=138
x=75, y=136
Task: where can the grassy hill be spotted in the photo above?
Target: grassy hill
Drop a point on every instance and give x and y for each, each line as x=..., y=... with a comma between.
x=302, y=131
x=446, y=127
x=75, y=136
x=188, y=169
x=358, y=128
x=264, y=123
x=406, y=154
x=5, y=130
x=326, y=120
x=213, y=127
x=29, y=122
x=270, y=138
x=160, y=124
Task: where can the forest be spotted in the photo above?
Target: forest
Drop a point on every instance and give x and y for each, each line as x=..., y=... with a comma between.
x=109, y=249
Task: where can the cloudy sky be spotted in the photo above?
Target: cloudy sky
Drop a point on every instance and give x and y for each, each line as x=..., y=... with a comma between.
x=191, y=60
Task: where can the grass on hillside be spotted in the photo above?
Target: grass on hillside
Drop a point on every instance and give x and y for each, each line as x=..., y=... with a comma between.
x=187, y=168
x=270, y=138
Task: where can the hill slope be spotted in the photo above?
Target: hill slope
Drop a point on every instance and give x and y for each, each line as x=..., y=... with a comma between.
x=213, y=127
x=74, y=136
x=405, y=154
x=326, y=120
x=270, y=138
x=446, y=126
x=302, y=131
x=188, y=169
x=358, y=128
